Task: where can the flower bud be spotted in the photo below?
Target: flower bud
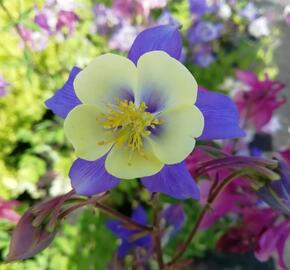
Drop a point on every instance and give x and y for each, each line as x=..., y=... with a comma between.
x=28, y=240
x=277, y=193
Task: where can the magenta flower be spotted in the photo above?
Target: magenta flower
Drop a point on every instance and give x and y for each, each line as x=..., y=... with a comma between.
x=274, y=241
x=4, y=85
x=259, y=100
x=67, y=19
x=220, y=121
x=7, y=212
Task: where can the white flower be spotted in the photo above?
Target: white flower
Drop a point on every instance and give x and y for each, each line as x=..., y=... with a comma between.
x=224, y=11
x=259, y=27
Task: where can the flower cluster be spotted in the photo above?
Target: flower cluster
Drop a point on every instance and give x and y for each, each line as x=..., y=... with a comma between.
x=211, y=22
x=56, y=18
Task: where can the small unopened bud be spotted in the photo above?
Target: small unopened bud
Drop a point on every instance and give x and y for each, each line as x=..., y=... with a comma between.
x=28, y=240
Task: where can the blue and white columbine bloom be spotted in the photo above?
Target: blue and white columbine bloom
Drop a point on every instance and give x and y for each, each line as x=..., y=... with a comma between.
x=140, y=117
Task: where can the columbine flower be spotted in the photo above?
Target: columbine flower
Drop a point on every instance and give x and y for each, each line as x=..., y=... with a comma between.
x=4, y=85
x=132, y=117
x=140, y=121
x=258, y=101
x=203, y=32
x=7, y=212
x=259, y=27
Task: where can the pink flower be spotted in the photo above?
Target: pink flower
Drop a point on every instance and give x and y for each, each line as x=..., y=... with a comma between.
x=36, y=41
x=258, y=100
x=6, y=211
x=131, y=8
x=67, y=19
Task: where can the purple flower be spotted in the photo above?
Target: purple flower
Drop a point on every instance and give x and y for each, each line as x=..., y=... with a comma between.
x=203, y=32
x=167, y=18
x=277, y=193
x=204, y=56
x=198, y=7
x=220, y=120
x=123, y=38
x=4, y=85
x=106, y=20
x=132, y=238
x=249, y=12
x=7, y=212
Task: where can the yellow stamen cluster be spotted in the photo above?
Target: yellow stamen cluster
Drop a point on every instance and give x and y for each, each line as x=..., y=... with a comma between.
x=128, y=124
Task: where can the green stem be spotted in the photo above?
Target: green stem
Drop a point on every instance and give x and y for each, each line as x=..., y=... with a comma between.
x=156, y=232
x=214, y=194
x=113, y=213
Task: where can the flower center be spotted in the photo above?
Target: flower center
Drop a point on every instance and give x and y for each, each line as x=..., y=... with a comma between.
x=128, y=125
